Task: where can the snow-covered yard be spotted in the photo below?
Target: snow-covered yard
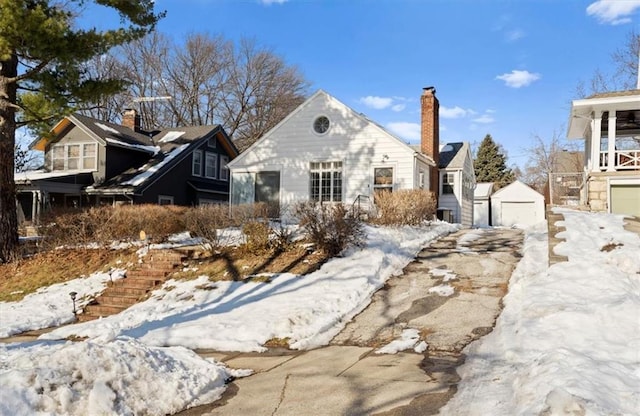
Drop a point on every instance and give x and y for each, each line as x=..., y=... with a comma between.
x=568, y=338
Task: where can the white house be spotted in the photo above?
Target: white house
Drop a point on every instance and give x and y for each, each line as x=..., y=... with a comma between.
x=457, y=180
x=482, y=205
x=609, y=124
x=516, y=204
x=325, y=151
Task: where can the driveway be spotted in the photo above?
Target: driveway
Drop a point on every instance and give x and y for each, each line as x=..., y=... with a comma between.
x=451, y=295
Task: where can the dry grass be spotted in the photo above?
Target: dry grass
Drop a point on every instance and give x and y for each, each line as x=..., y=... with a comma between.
x=404, y=207
x=231, y=263
x=277, y=343
x=26, y=276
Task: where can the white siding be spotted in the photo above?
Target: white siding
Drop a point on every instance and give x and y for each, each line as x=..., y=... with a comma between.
x=357, y=142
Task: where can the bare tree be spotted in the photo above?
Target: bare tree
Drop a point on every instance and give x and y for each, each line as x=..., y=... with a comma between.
x=552, y=156
x=625, y=75
x=246, y=88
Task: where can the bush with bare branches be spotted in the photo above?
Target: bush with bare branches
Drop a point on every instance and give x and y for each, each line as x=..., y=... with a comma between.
x=404, y=207
x=205, y=221
x=331, y=227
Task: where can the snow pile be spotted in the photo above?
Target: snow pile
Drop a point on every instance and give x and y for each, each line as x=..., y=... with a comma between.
x=52, y=305
x=409, y=339
x=568, y=338
x=442, y=290
x=122, y=377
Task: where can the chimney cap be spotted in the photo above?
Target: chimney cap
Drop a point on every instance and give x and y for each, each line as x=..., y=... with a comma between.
x=430, y=89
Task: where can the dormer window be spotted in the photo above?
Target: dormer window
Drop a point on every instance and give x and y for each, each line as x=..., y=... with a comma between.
x=74, y=156
x=211, y=143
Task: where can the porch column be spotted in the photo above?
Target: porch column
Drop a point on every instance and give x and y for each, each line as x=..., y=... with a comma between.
x=595, y=141
x=611, y=148
x=34, y=206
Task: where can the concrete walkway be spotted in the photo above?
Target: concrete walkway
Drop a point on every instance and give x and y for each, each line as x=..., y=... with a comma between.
x=349, y=378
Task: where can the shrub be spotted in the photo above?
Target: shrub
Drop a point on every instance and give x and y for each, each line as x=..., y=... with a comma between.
x=257, y=236
x=331, y=227
x=404, y=207
x=204, y=221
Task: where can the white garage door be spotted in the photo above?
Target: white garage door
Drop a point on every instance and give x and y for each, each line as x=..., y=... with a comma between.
x=522, y=213
x=625, y=199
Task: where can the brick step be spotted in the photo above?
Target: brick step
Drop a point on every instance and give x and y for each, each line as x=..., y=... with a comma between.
x=160, y=265
x=138, y=282
x=167, y=256
x=103, y=309
x=125, y=290
x=117, y=299
x=148, y=273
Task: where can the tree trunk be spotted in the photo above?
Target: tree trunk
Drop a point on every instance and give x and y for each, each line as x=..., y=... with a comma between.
x=8, y=214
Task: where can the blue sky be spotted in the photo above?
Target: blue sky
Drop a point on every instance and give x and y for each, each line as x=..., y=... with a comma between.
x=508, y=68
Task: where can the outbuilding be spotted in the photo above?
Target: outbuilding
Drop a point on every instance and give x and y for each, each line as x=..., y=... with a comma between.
x=516, y=204
x=481, y=204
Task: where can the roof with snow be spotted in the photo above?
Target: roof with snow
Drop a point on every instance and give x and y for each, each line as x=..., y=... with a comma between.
x=483, y=190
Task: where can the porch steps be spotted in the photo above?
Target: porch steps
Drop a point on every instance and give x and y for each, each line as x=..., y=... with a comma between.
x=136, y=286
x=553, y=230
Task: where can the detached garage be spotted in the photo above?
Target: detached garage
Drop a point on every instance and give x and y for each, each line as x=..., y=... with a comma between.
x=516, y=204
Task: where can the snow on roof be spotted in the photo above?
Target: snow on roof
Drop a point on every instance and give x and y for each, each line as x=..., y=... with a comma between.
x=107, y=128
x=151, y=149
x=171, y=136
x=146, y=171
x=35, y=175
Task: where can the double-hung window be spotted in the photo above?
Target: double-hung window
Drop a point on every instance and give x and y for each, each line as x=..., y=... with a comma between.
x=325, y=181
x=224, y=170
x=210, y=165
x=196, y=163
x=447, y=183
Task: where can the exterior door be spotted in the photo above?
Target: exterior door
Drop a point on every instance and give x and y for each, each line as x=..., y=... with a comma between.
x=267, y=190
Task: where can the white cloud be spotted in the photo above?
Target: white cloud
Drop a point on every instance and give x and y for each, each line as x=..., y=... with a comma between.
x=378, y=103
x=517, y=79
x=270, y=2
x=398, y=107
x=514, y=35
x=484, y=119
x=406, y=131
x=453, y=112
x=614, y=12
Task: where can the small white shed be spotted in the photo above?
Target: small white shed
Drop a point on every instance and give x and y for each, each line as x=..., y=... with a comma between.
x=516, y=204
x=481, y=205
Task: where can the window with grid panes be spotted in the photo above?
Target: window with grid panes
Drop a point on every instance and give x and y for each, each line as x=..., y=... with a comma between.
x=325, y=181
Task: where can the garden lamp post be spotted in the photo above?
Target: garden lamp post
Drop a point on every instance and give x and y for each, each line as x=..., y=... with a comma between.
x=73, y=299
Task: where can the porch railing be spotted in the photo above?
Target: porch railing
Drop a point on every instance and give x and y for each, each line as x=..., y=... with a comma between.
x=624, y=160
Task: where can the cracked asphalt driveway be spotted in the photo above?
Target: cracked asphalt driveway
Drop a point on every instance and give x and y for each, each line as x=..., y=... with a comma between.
x=451, y=294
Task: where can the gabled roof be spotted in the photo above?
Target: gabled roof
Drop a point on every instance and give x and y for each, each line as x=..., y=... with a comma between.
x=452, y=155
x=174, y=146
x=352, y=112
x=109, y=134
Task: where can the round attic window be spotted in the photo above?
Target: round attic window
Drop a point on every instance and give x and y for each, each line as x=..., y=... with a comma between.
x=321, y=125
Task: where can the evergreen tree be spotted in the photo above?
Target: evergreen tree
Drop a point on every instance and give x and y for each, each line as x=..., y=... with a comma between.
x=490, y=164
x=43, y=55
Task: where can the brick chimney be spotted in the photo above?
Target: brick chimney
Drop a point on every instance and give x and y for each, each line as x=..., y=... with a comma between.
x=430, y=132
x=131, y=119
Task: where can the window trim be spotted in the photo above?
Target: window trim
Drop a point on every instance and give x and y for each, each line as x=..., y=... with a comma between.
x=444, y=182
x=224, y=170
x=336, y=166
x=210, y=157
x=166, y=198
x=315, y=121
x=194, y=163
x=80, y=158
